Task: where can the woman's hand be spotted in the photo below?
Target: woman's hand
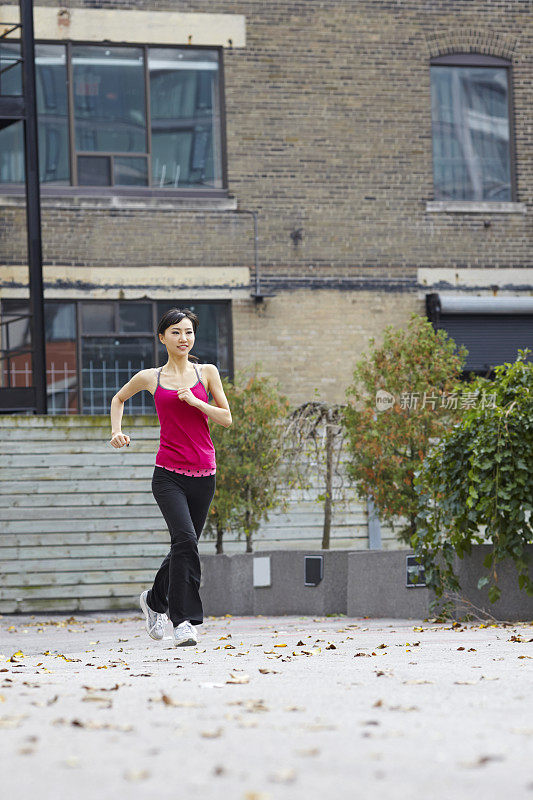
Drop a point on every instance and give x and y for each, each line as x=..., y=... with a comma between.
x=186, y=394
x=120, y=439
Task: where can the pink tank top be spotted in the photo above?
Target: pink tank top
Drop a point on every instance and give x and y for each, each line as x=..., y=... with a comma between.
x=185, y=444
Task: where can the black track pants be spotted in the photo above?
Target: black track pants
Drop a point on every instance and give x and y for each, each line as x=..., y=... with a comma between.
x=184, y=501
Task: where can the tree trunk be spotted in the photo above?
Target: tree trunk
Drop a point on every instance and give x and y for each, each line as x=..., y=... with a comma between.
x=220, y=534
x=248, y=517
x=329, y=481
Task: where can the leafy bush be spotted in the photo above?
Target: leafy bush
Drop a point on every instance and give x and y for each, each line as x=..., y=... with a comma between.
x=480, y=474
x=251, y=478
x=386, y=447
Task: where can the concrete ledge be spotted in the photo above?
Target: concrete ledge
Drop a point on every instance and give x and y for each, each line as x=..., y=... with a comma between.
x=474, y=207
x=513, y=604
x=132, y=26
x=73, y=198
x=376, y=587
x=358, y=583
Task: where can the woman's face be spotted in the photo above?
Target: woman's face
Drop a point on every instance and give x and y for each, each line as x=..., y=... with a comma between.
x=179, y=337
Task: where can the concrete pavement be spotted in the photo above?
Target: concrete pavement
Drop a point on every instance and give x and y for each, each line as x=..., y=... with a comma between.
x=265, y=709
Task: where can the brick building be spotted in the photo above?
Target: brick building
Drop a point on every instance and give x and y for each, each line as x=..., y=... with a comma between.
x=383, y=150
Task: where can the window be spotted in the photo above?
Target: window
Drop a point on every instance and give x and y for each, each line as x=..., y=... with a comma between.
x=94, y=347
x=132, y=117
x=471, y=122
x=492, y=329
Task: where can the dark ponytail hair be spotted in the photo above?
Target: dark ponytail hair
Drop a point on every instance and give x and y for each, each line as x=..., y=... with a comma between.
x=174, y=315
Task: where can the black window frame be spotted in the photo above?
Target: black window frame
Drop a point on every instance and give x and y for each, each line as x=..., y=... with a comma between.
x=463, y=59
x=185, y=302
x=76, y=190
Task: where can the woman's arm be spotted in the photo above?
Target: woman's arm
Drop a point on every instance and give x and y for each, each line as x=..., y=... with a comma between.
x=136, y=384
x=220, y=414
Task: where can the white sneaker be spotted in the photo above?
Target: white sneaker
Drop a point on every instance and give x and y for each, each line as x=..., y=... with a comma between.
x=155, y=623
x=185, y=635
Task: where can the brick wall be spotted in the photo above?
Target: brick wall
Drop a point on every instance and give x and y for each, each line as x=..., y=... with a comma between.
x=329, y=130
x=311, y=342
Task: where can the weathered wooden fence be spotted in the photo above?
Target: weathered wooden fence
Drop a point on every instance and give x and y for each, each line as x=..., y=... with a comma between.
x=79, y=526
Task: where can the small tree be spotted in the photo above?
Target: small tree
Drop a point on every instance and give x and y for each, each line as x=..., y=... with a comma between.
x=413, y=371
x=481, y=475
x=251, y=477
x=315, y=431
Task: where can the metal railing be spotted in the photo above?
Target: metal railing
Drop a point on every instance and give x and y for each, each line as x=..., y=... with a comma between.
x=100, y=381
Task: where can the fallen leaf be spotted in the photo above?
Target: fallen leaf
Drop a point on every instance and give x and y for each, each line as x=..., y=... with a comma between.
x=238, y=678
x=481, y=761
x=310, y=751
x=103, y=688
x=287, y=775
x=12, y=721
x=16, y=656
x=211, y=734
x=136, y=775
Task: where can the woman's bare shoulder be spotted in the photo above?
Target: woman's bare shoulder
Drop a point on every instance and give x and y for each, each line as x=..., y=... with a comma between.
x=147, y=379
x=208, y=372
x=144, y=379
x=151, y=378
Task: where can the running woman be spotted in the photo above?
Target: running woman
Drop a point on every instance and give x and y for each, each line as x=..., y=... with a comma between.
x=184, y=477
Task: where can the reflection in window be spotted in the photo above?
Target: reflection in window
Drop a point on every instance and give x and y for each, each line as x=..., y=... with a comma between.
x=109, y=104
x=97, y=317
x=130, y=171
x=61, y=353
x=185, y=117
x=114, y=142
x=61, y=358
x=11, y=69
x=107, y=364
x=52, y=110
x=116, y=339
x=134, y=317
x=471, y=139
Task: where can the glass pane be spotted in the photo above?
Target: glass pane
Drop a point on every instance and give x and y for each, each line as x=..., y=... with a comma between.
x=51, y=85
x=94, y=171
x=98, y=317
x=16, y=335
x=109, y=99
x=470, y=116
x=212, y=342
x=130, y=171
x=11, y=79
x=185, y=118
x=52, y=109
x=61, y=358
x=134, y=317
x=107, y=364
x=12, y=154
x=61, y=353
x=60, y=321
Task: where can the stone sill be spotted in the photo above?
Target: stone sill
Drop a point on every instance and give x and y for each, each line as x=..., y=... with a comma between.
x=474, y=207
x=11, y=198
